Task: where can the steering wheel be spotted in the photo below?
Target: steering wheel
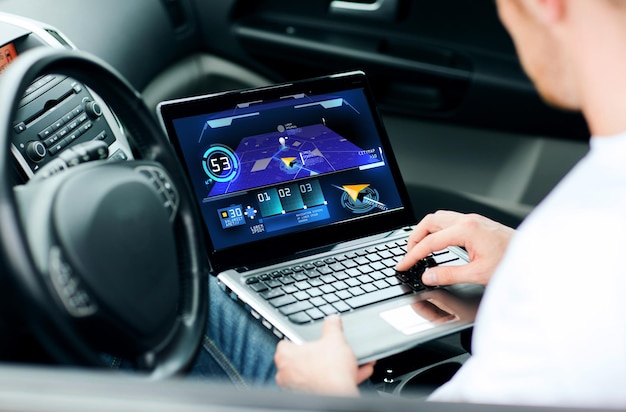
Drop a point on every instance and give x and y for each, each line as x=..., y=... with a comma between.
x=105, y=257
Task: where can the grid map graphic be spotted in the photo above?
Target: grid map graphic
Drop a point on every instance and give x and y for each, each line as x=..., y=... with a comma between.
x=276, y=157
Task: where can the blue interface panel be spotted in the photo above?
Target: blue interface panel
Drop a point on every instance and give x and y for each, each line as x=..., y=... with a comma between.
x=266, y=168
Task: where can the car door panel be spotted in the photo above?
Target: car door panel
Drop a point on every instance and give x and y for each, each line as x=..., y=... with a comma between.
x=447, y=60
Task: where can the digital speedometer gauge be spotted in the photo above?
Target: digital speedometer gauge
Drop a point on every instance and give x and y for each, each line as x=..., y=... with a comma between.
x=220, y=163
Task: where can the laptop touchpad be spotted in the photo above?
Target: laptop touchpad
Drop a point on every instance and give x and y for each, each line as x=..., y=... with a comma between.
x=419, y=316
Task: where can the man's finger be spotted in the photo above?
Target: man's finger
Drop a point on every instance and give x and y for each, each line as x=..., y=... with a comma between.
x=452, y=236
x=332, y=326
x=365, y=371
x=451, y=275
x=432, y=223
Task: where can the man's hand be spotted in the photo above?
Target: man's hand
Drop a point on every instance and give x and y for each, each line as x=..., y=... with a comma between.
x=484, y=240
x=326, y=367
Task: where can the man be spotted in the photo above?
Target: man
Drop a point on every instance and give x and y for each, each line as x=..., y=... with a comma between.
x=551, y=328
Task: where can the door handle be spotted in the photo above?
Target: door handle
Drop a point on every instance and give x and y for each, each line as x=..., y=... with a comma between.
x=386, y=10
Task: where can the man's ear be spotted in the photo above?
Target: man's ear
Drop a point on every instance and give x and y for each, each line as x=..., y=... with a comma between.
x=547, y=11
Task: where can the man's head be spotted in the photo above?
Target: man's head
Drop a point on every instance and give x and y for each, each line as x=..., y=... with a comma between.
x=574, y=51
x=534, y=28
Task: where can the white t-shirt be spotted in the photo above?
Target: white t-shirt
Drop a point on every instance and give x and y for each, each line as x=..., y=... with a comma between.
x=551, y=329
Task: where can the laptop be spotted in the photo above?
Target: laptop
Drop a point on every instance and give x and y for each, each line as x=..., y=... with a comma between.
x=305, y=213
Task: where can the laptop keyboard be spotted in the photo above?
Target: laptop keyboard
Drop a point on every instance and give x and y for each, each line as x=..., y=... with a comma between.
x=342, y=283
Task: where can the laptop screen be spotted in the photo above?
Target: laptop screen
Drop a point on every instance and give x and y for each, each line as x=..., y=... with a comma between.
x=286, y=162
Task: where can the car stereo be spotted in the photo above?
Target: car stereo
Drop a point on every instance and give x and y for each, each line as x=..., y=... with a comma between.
x=56, y=112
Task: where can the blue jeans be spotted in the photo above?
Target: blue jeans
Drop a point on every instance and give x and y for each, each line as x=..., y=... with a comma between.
x=236, y=347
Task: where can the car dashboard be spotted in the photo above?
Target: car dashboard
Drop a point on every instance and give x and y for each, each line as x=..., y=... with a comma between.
x=56, y=113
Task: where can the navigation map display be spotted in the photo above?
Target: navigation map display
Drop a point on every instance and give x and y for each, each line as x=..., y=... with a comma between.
x=264, y=168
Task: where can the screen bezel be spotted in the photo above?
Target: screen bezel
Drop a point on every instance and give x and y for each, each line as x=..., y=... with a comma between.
x=249, y=254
